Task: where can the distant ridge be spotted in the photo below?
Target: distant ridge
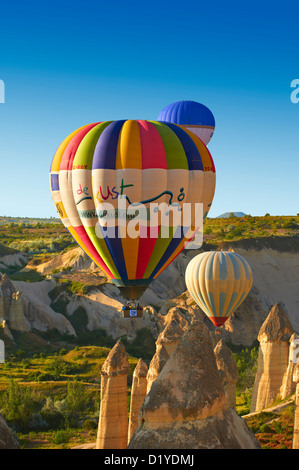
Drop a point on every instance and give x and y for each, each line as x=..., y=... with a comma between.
x=228, y=214
x=29, y=220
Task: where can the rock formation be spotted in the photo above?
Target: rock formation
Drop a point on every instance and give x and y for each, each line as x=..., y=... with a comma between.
x=296, y=414
x=6, y=330
x=156, y=365
x=37, y=310
x=274, y=337
x=288, y=385
x=227, y=369
x=187, y=407
x=175, y=325
x=113, y=418
x=138, y=394
x=17, y=319
x=166, y=343
x=7, y=439
x=274, y=264
x=7, y=289
x=243, y=326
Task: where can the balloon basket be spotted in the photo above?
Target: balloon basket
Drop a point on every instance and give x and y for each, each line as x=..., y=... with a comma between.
x=218, y=330
x=132, y=311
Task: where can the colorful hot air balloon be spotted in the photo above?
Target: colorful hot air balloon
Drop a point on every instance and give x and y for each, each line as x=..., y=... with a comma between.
x=191, y=115
x=218, y=281
x=139, y=162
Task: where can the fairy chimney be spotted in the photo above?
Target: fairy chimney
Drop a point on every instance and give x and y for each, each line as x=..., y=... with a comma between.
x=274, y=337
x=7, y=289
x=187, y=407
x=138, y=394
x=175, y=325
x=296, y=414
x=227, y=369
x=167, y=341
x=113, y=418
x=17, y=319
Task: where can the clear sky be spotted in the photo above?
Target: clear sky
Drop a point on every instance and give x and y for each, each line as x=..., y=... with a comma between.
x=66, y=63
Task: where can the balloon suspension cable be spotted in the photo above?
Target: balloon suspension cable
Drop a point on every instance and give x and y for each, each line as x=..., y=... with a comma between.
x=218, y=330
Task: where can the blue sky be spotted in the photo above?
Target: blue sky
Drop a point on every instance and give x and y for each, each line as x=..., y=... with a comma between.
x=68, y=63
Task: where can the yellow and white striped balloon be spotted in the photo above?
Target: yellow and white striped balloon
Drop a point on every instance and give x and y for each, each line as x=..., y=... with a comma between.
x=218, y=281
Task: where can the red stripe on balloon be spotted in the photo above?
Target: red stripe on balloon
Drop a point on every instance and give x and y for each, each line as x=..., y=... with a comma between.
x=81, y=232
x=212, y=162
x=152, y=148
x=172, y=258
x=72, y=147
x=147, y=241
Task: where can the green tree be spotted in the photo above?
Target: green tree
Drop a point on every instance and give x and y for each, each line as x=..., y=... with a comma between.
x=77, y=399
x=18, y=405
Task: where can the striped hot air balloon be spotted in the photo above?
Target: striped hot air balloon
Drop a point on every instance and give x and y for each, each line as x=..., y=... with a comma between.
x=218, y=281
x=143, y=162
x=195, y=117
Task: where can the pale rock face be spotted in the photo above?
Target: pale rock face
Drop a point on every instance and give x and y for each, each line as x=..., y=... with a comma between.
x=174, y=327
x=138, y=394
x=243, y=325
x=7, y=439
x=227, y=369
x=274, y=337
x=157, y=363
x=75, y=258
x=113, y=419
x=187, y=407
x=16, y=259
x=36, y=306
x=17, y=319
x=275, y=276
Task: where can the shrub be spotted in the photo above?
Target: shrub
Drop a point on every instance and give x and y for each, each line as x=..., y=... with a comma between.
x=77, y=399
x=89, y=424
x=18, y=405
x=54, y=419
x=265, y=428
x=61, y=437
x=58, y=367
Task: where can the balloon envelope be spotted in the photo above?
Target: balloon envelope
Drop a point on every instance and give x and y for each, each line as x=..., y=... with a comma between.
x=139, y=163
x=193, y=116
x=218, y=281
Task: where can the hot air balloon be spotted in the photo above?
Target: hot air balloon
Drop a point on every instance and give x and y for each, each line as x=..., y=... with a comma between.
x=191, y=115
x=218, y=281
x=139, y=163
